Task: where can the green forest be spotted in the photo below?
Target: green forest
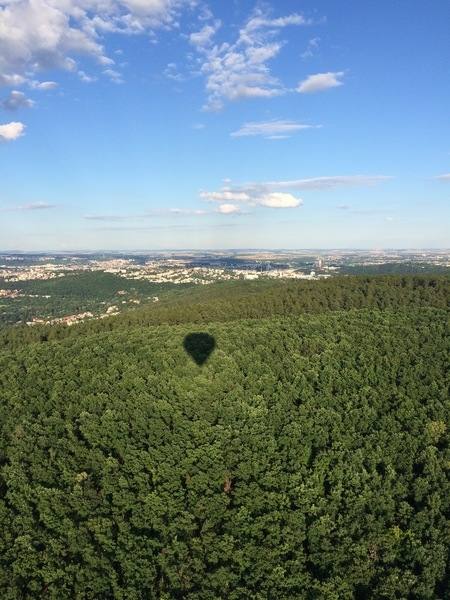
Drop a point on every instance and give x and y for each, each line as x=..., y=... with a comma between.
x=286, y=440
x=76, y=293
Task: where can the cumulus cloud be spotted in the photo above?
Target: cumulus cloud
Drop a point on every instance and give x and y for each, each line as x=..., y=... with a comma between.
x=444, y=177
x=16, y=100
x=203, y=38
x=41, y=34
x=320, y=82
x=230, y=198
x=280, y=200
x=228, y=209
x=240, y=69
x=11, y=131
x=11, y=79
x=270, y=129
x=280, y=194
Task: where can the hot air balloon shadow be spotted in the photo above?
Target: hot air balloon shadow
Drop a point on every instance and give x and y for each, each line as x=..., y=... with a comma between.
x=199, y=346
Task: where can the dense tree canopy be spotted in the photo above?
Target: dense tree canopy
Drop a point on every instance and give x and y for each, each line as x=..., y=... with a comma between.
x=228, y=301
x=307, y=457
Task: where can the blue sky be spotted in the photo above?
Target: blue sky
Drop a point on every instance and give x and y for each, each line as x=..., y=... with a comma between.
x=153, y=124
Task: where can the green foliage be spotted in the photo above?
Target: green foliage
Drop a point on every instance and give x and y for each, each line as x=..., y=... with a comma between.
x=76, y=293
x=228, y=301
x=399, y=268
x=307, y=458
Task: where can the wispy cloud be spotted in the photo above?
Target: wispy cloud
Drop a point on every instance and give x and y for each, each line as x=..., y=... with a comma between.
x=162, y=212
x=11, y=131
x=311, y=48
x=171, y=72
x=320, y=82
x=36, y=206
x=443, y=177
x=43, y=85
x=322, y=183
x=16, y=100
x=31, y=206
x=168, y=227
x=271, y=129
x=85, y=78
x=113, y=75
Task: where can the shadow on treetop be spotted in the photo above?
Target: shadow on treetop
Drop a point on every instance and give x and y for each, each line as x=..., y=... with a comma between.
x=199, y=346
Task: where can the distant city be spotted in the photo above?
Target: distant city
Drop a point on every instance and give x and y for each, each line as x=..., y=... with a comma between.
x=69, y=288
x=210, y=266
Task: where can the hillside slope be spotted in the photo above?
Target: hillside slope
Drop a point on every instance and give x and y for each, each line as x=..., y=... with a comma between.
x=308, y=458
x=228, y=301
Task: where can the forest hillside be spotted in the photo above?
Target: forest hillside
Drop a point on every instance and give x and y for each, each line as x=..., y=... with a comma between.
x=300, y=450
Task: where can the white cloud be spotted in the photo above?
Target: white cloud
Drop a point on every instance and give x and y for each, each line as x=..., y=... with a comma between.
x=228, y=209
x=270, y=129
x=171, y=72
x=11, y=131
x=16, y=100
x=203, y=38
x=11, y=80
x=280, y=200
x=260, y=20
x=444, y=177
x=240, y=70
x=43, y=85
x=278, y=194
x=226, y=195
x=85, y=78
x=320, y=82
x=36, y=35
x=322, y=183
x=188, y=212
x=229, y=197
x=114, y=75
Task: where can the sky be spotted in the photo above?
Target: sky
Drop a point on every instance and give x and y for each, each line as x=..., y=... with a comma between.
x=175, y=124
